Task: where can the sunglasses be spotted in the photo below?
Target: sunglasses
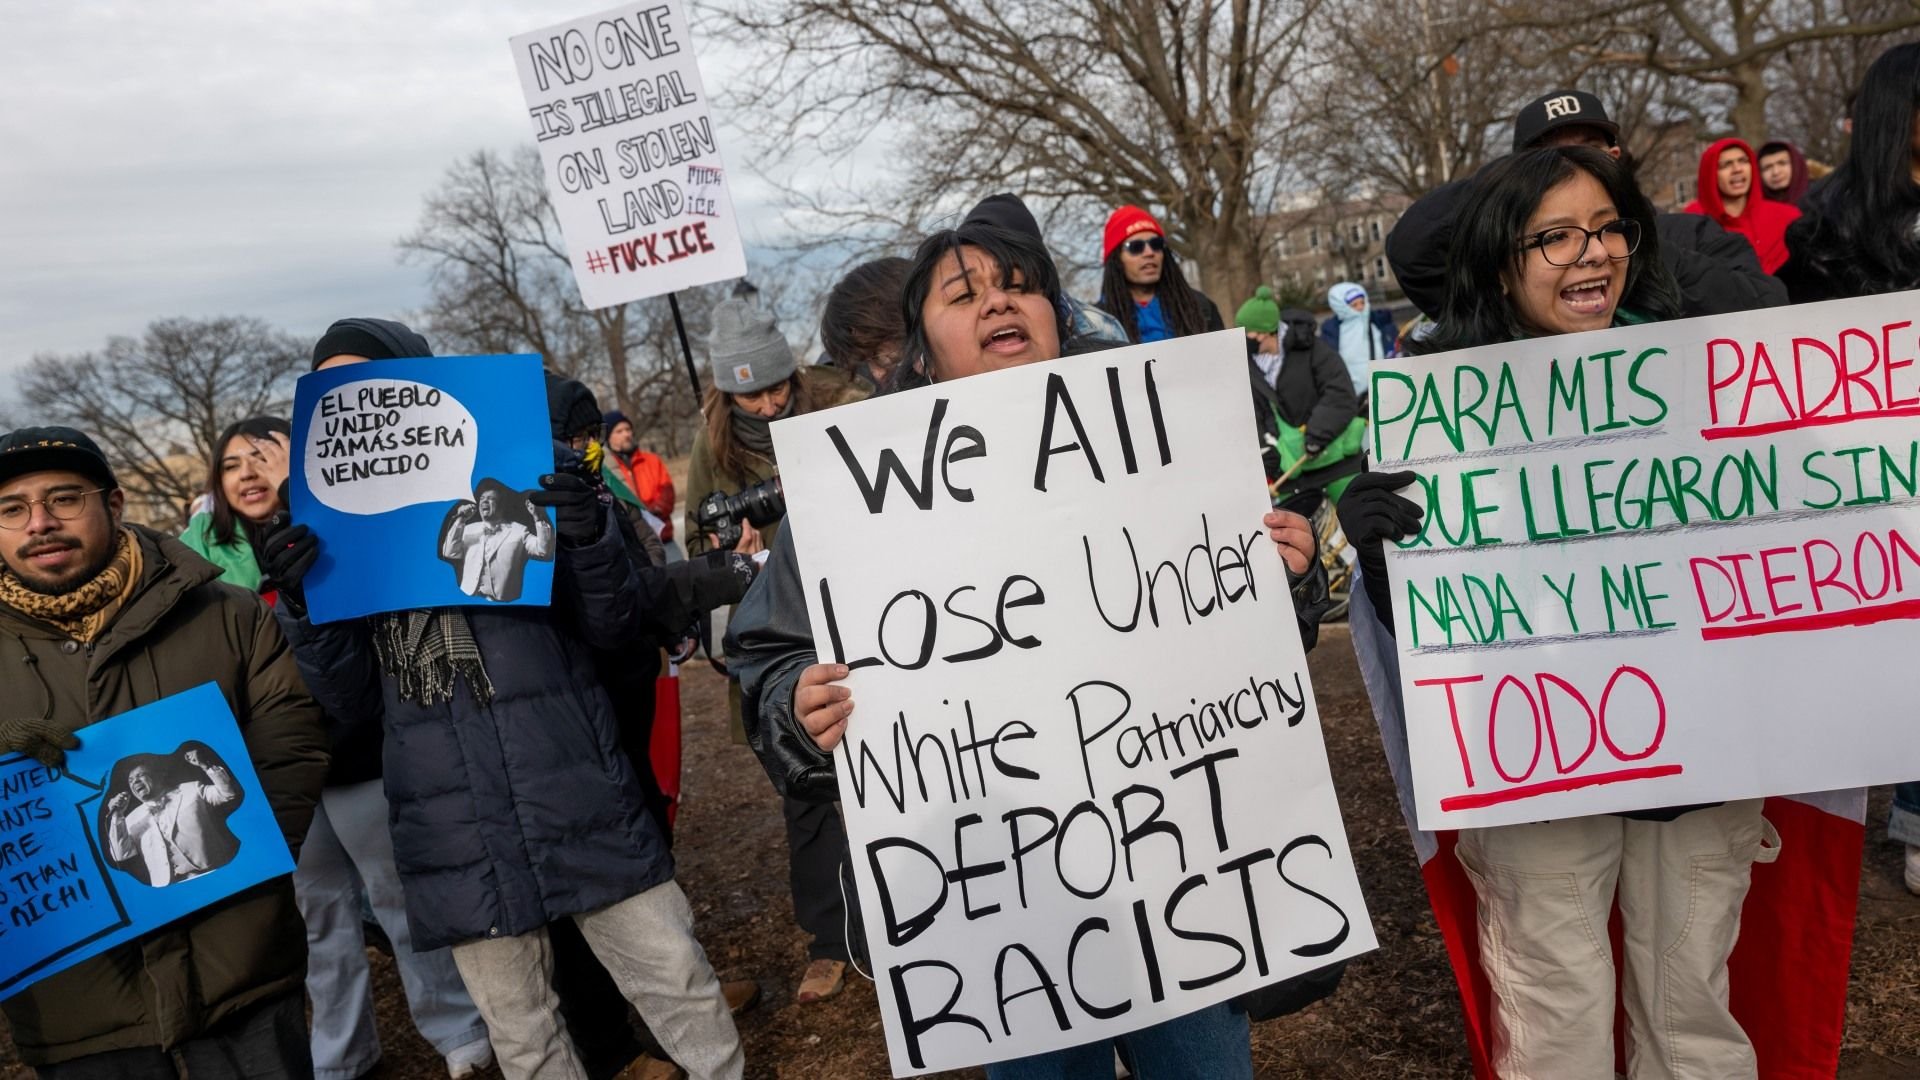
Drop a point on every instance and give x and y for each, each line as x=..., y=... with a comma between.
x=1142, y=246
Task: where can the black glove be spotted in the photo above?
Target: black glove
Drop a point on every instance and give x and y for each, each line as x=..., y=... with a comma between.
x=287, y=552
x=1371, y=512
x=38, y=738
x=578, y=514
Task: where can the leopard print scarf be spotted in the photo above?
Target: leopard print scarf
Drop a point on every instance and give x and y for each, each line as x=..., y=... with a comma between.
x=83, y=613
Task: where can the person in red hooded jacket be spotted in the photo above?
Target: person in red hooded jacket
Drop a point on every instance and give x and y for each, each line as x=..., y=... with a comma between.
x=1729, y=193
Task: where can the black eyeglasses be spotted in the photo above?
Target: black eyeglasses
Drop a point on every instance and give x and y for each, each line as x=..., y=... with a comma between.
x=1142, y=246
x=1564, y=245
x=64, y=505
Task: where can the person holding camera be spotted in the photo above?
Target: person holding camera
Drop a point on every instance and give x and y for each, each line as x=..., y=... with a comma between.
x=756, y=381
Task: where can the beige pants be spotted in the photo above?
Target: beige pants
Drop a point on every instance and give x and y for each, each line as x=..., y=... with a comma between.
x=646, y=943
x=1546, y=892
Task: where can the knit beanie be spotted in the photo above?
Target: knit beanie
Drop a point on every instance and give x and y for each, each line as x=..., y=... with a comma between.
x=375, y=339
x=1124, y=223
x=747, y=350
x=613, y=418
x=1260, y=314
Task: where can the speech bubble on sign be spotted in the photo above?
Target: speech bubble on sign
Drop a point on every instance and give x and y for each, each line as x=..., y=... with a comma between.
x=381, y=444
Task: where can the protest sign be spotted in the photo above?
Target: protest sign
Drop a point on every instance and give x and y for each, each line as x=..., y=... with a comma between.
x=1085, y=785
x=632, y=165
x=416, y=474
x=1661, y=564
x=155, y=816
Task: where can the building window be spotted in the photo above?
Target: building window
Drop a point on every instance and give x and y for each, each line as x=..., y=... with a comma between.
x=1313, y=238
x=1376, y=230
x=1353, y=232
x=1380, y=268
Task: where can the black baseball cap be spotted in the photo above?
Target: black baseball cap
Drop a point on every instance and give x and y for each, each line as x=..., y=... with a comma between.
x=1558, y=109
x=41, y=449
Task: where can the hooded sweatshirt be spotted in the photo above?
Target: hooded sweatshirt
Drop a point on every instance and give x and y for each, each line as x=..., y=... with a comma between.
x=1797, y=187
x=1763, y=223
x=1359, y=339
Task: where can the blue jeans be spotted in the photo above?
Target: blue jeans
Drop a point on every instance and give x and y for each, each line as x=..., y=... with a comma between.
x=1212, y=1043
x=1904, y=823
x=350, y=847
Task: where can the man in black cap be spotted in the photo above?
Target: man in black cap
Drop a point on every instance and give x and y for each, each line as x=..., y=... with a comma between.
x=1717, y=271
x=97, y=617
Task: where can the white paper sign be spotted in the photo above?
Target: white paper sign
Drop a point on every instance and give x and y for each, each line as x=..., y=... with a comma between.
x=1662, y=564
x=632, y=163
x=1084, y=784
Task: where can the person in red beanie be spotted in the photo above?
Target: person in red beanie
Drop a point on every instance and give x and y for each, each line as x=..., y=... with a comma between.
x=1729, y=193
x=1143, y=286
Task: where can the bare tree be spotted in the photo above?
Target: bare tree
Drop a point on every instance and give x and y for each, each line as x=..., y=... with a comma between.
x=1182, y=106
x=501, y=283
x=1725, y=45
x=1815, y=80
x=157, y=403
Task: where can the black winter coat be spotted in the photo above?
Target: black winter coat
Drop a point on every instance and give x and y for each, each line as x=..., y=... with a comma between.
x=1312, y=389
x=510, y=815
x=1717, y=271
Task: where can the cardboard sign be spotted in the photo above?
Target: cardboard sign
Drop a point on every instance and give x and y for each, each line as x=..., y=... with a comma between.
x=633, y=167
x=155, y=816
x=416, y=474
x=1085, y=785
x=1662, y=564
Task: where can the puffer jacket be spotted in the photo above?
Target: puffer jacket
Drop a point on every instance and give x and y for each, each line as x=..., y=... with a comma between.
x=509, y=815
x=179, y=629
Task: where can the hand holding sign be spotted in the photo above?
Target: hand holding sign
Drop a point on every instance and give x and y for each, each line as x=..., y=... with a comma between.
x=1293, y=535
x=40, y=739
x=822, y=707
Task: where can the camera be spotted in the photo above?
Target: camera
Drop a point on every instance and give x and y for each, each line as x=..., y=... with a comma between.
x=720, y=513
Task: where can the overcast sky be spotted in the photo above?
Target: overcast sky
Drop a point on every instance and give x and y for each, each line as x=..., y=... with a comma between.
x=211, y=157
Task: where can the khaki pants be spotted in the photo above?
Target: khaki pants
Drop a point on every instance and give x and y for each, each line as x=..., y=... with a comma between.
x=646, y=942
x=1546, y=892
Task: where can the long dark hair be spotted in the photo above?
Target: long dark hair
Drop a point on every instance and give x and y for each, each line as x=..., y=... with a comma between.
x=1858, y=230
x=253, y=427
x=1014, y=252
x=862, y=319
x=1477, y=310
x=1185, y=309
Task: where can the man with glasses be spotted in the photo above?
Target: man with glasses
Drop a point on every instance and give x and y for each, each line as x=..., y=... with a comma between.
x=1143, y=286
x=1717, y=271
x=97, y=617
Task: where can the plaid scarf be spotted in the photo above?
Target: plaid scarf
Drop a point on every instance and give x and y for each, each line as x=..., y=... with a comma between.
x=84, y=612
x=426, y=650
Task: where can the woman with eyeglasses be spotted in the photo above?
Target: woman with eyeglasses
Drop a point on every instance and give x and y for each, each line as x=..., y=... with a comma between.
x=1143, y=286
x=1558, y=241
x=349, y=848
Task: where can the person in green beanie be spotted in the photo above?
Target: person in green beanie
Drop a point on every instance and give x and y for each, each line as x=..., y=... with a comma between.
x=1303, y=401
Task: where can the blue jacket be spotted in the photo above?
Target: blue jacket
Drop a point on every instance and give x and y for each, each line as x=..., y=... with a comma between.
x=508, y=816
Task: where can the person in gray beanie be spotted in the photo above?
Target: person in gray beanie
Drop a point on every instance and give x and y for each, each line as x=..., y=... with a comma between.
x=757, y=381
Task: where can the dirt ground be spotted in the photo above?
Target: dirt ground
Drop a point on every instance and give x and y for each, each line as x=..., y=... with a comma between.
x=1395, y=1016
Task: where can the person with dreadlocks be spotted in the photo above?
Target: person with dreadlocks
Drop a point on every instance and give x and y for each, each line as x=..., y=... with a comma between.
x=1142, y=285
x=513, y=806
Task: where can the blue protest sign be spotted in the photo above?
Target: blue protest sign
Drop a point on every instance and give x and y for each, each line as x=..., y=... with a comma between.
x=155, y=816
x=415, y=474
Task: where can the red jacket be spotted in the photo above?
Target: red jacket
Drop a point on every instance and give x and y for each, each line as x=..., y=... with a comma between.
x=646, y=476
x=1762, y=221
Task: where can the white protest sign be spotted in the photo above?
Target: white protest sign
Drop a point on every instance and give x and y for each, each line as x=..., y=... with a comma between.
x=1084, y=784
x=381, y=444
x=631, y=161
x=1661, y=564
